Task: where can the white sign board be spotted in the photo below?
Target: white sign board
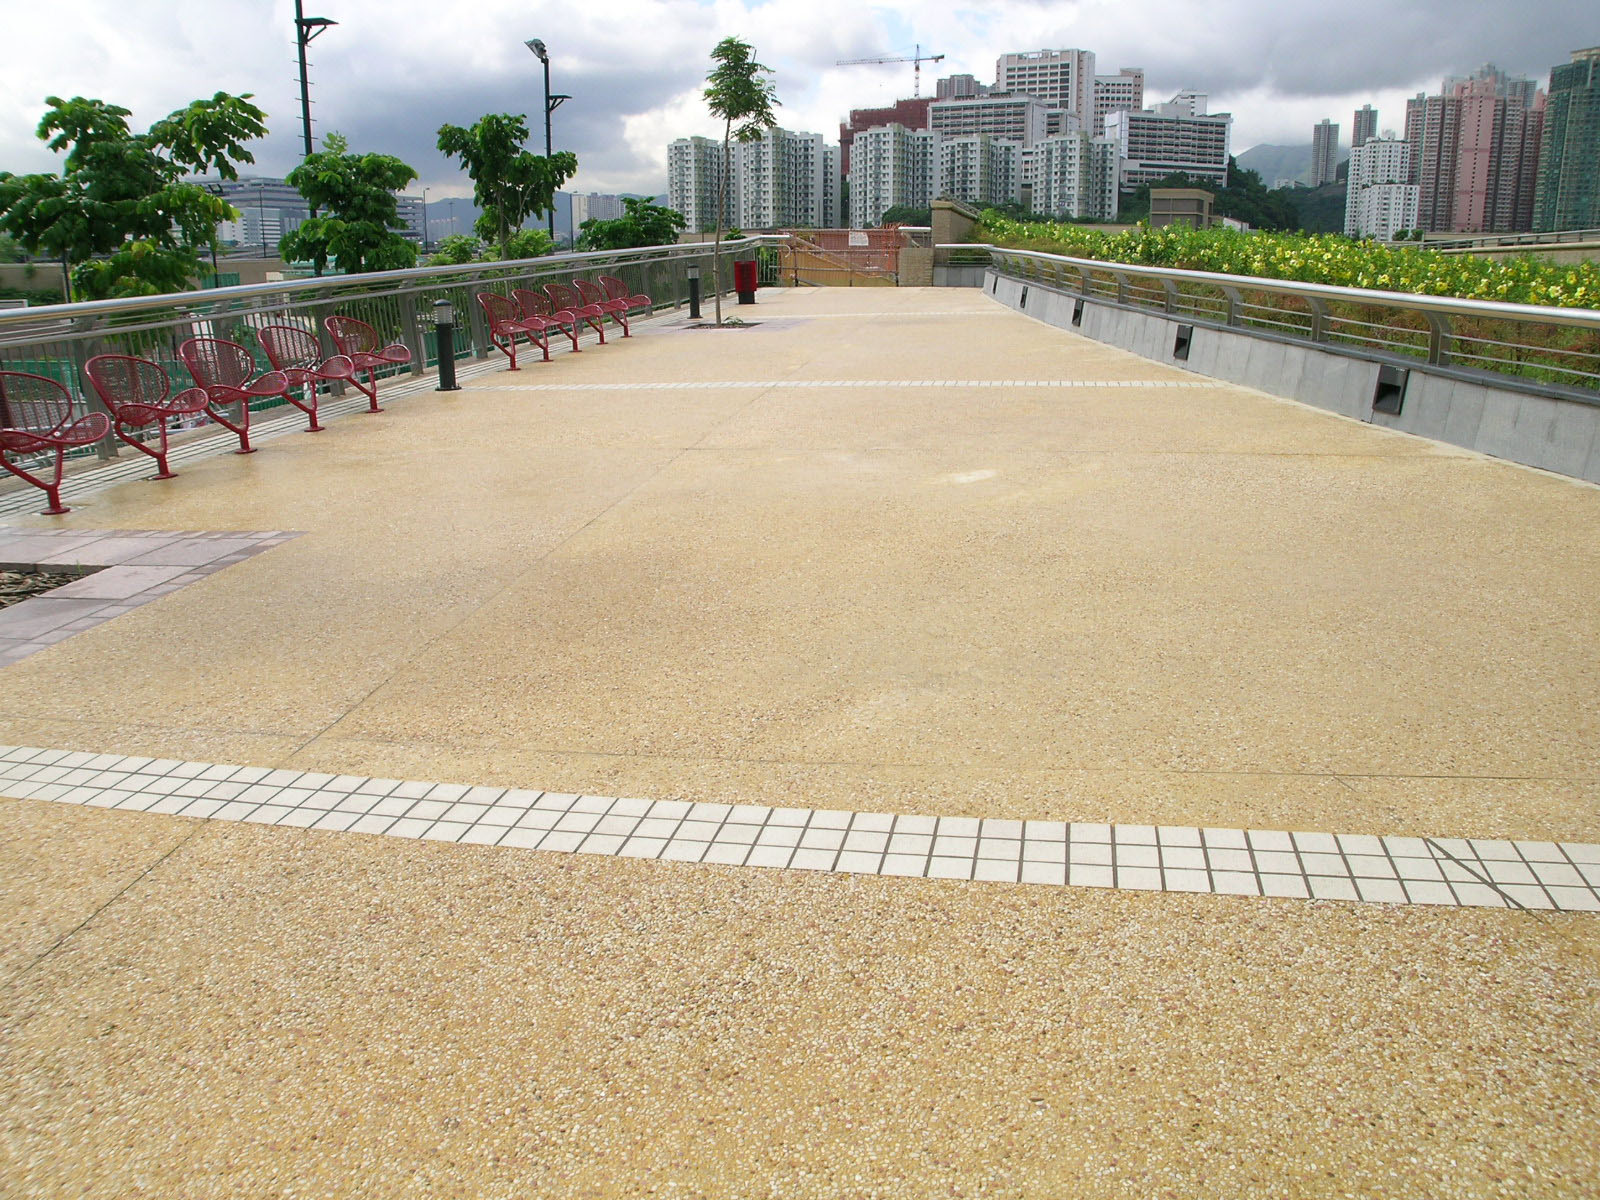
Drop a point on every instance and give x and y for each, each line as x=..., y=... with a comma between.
x=858, y=239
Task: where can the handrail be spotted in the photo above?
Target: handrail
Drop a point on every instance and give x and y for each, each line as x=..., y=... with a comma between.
x=1583, y=318
x=465, y=271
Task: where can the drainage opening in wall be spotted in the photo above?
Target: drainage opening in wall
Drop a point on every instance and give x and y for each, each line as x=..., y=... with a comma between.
x=1077, y=311
x=1180, y=344
x=1389, y=393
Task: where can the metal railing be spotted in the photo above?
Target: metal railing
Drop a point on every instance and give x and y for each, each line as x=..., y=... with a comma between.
x=57, y=340
x=1494, y=241
x=1557, y=347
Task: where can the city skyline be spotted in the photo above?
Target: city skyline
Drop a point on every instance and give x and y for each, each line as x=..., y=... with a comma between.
x=389, y=74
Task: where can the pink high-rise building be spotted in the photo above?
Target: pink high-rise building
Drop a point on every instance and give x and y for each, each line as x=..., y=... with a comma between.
x=1475, y=151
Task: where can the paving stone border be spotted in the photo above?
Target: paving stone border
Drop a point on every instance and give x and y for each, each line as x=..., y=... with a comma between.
x=1450, y=872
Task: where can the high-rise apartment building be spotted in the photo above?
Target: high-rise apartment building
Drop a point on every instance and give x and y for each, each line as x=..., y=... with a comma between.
x=1061, y=78
x=780, y=181
x=1166, y=140
x=1379, y=199
x=1122, y=92
x=1365, y=126
x=594, y=206
x=1476, y=152
x=695, y=175
x=959, y=87
x=1073, y=176
x=1568, y=191
x=1011, y=116
x=1189, y=102
x=888, y=166
x=913, y=114
x=1324, y=152
x=979, y=170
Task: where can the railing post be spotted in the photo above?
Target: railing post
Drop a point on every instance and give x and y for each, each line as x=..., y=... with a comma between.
x=1171, y=289
x=1319, y=318
x=411, y=330
x=1122, y=286
x=1438, y=339
x=78, y=350
x=1234, y=301
x=1085, y=281
x=480, y=331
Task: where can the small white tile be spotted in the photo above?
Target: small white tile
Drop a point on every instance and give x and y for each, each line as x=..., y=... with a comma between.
x=831, y=818
x=1558, y=873
x=482, y=835
x=1582, y=852
x=1454, y=847
x=1333, y=887
x=1227, y=859
x=1422, y=891
x=903, y=864
x=1235, y=883
x=1089, y=875
x=769, y=856
x=822, y=839
x=1370, y=866
x=1183, y=858
x=1269, y=839
x=1144, y=879
x=955, y=847
x=410, y=827
x=1180, y=880
x=964, y=827
x=615, y=825
x=656, y=827
x=594, y=805
x=1044, y=872
x=372, y=823
x=335, y=820
x=995, y=870
x=1540, y=851
x=1289, y=886
x=1082, y=832
x=1494, y=848
x=576, y=822
x=905, y=824
x=602, y=843
x=642, y=847
x=789, y=816
x=910, y=843
x=784, y=836
x=428, y=810
x=738, y=835
x=1277, y=862
x=1478, y=895
x=1418, y=868
x=1046, y=831
x=392, y=806
x=1138, y=856
x=523, y=839
x=1008, y=849
x=993, y=828
x=1178, y=835
x=858, y=860
x=559, y=801
x=698, y=831
x=727, y=854
x=749, y=814
x=1360, y=843
x=1134, y=835
x=1098, y=853
x=629, y=806
x=679, y=850
x=1529, y=895
x=865, y=822
x=1381, y=891
x=1590, y=873
x=812, y=860
x=301, y=818
x=565, y=840
x=949, y=868
x=1044, y=852
x=1502, y=871
x=1575, y=899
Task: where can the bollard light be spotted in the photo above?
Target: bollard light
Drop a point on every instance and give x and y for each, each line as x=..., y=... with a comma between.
x=694, y=290
x=444, y=324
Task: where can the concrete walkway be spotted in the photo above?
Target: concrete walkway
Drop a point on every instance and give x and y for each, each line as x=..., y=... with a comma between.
x=890, y=550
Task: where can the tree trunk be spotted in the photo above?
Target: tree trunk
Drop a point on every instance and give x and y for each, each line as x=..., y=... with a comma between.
x=722, y=204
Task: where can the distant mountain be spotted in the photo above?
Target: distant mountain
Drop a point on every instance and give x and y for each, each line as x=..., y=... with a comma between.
x=1273, y=163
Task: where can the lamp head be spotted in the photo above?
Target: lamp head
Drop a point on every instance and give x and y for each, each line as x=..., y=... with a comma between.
x=537, y=46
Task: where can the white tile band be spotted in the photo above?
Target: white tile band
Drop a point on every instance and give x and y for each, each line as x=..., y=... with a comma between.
x=1457, y=872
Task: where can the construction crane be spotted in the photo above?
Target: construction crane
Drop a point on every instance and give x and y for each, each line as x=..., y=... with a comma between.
x=916, y=58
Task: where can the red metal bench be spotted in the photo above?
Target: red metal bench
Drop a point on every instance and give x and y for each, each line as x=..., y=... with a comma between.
x=506, y=325
x=594, y=296
x=226, y=372
x=616, y=289
x=36, y=418
x=139, y=394
x=565, y=299
x=536, y=306
x=359, y=342
x=297, y=355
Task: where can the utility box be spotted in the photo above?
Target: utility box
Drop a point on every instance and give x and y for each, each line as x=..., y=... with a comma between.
x=744, y=281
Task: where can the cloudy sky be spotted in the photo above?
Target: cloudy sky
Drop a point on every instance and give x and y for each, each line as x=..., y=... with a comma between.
x=392, y=71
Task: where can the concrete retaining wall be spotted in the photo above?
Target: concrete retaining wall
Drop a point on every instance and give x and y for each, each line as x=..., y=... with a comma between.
x=1541, y=431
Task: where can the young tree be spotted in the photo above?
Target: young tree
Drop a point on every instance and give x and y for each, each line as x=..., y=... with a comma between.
x=508, y=182
x=641, y=224
x=737, y=91
x=120, y=217
x=356, y=192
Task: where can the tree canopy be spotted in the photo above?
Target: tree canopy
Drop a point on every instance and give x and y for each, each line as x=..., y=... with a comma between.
x=509, y=183
x=641, y=224
x=738, y=91
x=354, y=197
x=120, y=215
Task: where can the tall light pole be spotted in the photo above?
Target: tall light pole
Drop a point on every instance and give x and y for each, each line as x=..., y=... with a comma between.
x=551, y=103
x=424, y=220
x=306, y=30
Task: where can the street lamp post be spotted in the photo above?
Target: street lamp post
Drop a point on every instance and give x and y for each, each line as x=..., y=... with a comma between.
x=551, y=103
x=424, y=220
x=306, y=30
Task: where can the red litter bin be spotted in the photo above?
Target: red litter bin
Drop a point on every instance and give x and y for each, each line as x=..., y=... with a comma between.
x=744, y=281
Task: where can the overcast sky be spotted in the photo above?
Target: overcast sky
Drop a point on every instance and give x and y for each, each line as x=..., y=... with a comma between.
x=392, y=71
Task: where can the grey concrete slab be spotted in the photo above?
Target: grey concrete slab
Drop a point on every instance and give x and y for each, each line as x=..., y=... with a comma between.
x=1466, y=413
x=119, y=582
x=32, y=619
